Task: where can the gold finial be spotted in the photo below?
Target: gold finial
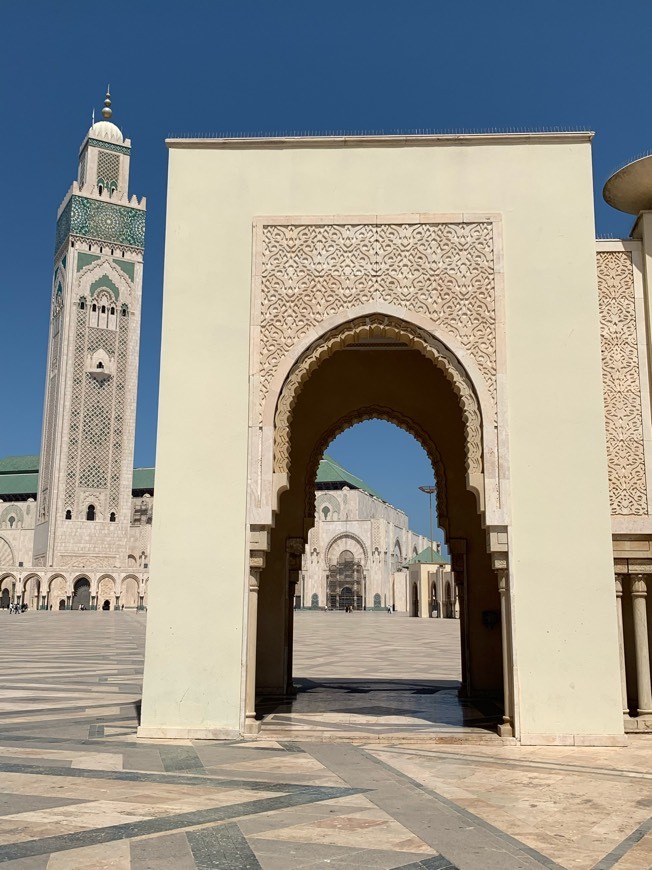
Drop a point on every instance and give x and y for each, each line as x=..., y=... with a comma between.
x=106, y=111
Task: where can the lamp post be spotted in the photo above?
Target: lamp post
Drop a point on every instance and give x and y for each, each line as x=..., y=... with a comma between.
x=430, y=490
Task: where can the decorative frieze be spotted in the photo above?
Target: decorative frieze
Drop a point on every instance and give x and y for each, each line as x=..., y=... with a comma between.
x=106, y=221
x=621, y=384
x=109, y=146
x=444, y=271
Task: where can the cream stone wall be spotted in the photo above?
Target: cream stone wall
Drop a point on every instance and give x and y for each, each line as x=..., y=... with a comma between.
x=551, y=484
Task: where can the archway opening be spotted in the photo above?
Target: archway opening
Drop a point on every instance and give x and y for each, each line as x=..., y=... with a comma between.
x=81, y=598
x=378, y=379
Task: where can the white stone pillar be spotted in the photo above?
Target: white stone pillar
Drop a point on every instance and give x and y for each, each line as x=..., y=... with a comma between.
x=505, y=729
x=621, y=643
x=256, y=564
x=639, y=604
x=294, y=548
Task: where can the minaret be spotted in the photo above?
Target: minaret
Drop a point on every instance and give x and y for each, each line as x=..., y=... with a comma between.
x=87, y=444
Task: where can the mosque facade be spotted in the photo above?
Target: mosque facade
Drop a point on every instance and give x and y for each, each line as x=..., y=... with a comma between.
x=75, y=523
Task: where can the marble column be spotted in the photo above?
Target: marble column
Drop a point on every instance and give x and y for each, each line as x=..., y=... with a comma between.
x=621, y=643
x=295, y=548
x=505, y=729
x=458, y=580
x=256, y=564
x=639, y=605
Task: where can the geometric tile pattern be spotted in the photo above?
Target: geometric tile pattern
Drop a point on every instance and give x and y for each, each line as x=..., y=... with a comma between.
x=103, y=221
x=78, y=791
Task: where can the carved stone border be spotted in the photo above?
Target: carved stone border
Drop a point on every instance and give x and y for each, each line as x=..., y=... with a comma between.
x=628, y=371
x=265, y=483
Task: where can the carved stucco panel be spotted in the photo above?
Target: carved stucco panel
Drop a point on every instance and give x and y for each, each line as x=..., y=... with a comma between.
x=444, y=271
x=621, y=384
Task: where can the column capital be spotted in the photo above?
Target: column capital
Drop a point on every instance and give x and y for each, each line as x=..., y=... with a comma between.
x=295, y=546
x=619, y=579
x=639, y=585
x=256, y=561
x=259, y=538
x=502, y=575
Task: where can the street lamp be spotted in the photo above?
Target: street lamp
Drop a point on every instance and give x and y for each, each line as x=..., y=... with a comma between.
x=430, y=490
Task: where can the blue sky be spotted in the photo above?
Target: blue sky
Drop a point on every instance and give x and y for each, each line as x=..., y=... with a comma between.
x=207, y=67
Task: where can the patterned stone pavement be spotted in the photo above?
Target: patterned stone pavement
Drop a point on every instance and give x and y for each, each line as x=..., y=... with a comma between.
x=78, y=791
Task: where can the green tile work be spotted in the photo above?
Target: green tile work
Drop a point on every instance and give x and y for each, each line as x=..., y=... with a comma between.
x=104, y=221
x=104, y=281
x=128, y=268
x=84, y=260
x=109, y=146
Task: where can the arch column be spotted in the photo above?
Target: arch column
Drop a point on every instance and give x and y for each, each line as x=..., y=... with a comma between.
x=621, y=643
x=641, y=644
x=256, y=565
x=505, y=729
x=457, y=547
x=295, y=548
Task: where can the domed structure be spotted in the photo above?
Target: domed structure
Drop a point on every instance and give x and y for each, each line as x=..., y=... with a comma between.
x=106, y=130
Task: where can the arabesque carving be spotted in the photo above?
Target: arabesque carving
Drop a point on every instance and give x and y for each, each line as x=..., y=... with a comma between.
x=621, y=384
x=444, y=271
x=378, y=326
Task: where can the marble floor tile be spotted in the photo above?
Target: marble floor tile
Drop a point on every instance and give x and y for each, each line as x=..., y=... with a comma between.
x=79, y=790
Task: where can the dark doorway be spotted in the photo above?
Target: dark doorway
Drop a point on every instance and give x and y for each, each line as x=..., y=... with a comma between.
x=346, y=583
x=62, y=604
x=82, y=594
x=5, y=599
x=106, y=605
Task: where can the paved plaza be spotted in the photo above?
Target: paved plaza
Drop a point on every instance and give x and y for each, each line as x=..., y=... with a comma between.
x=368, y=786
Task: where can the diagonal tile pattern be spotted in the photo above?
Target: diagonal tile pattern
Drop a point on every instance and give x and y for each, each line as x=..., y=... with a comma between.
x=78, y=791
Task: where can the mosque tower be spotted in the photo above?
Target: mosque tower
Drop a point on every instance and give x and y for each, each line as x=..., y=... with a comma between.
x=86, y=464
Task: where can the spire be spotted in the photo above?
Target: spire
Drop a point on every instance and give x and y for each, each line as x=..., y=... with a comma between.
x=106, y=111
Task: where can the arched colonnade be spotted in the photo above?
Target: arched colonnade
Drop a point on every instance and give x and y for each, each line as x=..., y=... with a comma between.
x=58, y=590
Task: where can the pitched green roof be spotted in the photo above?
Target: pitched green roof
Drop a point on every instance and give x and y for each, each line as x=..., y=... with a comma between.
x=18, y=484
x=143, y=478
x=330, y=471
x=19, y=476
x=18, y=464
x=429, y=557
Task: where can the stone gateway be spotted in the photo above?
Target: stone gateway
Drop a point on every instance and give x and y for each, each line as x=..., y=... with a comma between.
x=451, y=285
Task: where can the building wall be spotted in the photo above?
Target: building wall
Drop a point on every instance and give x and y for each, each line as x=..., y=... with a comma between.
x=541, y=187
x=375, y=532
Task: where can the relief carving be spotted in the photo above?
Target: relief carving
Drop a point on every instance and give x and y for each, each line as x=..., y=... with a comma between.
x=444, y=271
x=377, y=326
x=621, y=384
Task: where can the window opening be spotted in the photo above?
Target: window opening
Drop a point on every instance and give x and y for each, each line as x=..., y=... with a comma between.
x=90, y=512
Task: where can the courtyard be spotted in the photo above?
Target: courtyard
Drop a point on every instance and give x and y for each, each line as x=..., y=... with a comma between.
x=384, y=777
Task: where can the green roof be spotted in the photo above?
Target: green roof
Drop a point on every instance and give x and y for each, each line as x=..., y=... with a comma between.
x=19, y=476
x=143, y=478
x=18, y=464
x=429, y=557
x=330, y=471
x=19, y=484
